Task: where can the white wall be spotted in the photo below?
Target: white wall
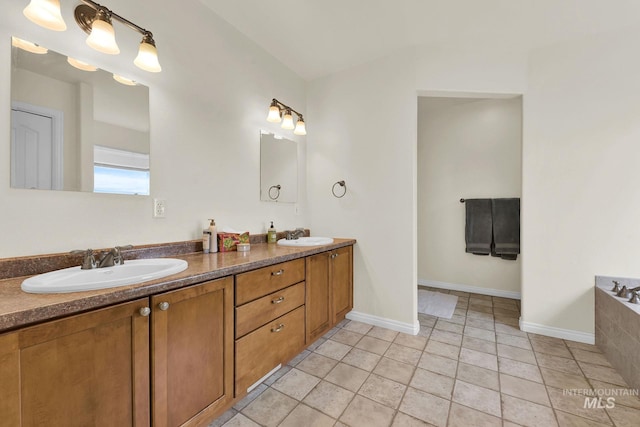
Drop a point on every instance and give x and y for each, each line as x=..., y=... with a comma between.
x=207, y=107
x=467, y=148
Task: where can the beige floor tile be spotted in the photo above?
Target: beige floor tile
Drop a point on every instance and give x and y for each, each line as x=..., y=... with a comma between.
x=240, y=420
x=329, y=398
x=550, y=340
x=446, y=325
x=590, y=357
x=623, y=416
x=277, y=375
x=446, y=337
x=373, y=345
x=426, y=320
x=433, y=383
x=361, y=359
x=516, y=353
x=250, y=397
x=413, y=341
x=426, y=407
x=459, y=317
x=442, y=349
x=359, y=327
x=346, y=337
x=524, y=389
x=504, y=320
x=317, y=343
x=403, y=354
x=564, y=381
x=570, y=420
x=296, y=384
x=303, y=415
x=331, y=332
x=478, y=358
x=347, y=376
x=394, y=370
x=461, y=416
x=582, y=346
x=480, y=301
x=575, y=404
x=480, y=312
x=438, y=364
x=364, y=412
x=404, y=420
x=568, y=366
x=299, y=358
x=513, y=341
x=383, y=390
x=479, y=344
x=519, y=369
x=602, y=373
x=316, y=364
x=480, y=323
x=333, y=349
x=623, y=395
x=484, y=334
x=478, y=376
x=527, y=414
x=424, y=332
x=506, y=312
x=382, y=333
x=554, y=349
x=222, y=419
x=509, y=330
x=270, y=408
x=476, y=397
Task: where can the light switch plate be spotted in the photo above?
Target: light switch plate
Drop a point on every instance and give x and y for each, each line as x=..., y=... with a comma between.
x=159, y=208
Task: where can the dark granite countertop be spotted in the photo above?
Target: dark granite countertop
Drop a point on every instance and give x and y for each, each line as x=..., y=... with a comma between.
x=18, y=308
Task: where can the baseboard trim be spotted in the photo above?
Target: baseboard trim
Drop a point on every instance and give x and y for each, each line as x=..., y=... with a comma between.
x=565, y=334
x=394, y=325
x=470, y=289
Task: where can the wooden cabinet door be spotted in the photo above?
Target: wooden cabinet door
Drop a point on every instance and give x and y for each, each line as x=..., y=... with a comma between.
x=91, y=369
x=317, y=302
x=341, y=274
x=192, y=353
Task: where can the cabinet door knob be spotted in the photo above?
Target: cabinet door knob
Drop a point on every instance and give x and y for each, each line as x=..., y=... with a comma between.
x=279, y=328
x=277, y=300
x=334, y=256
x=277, y=273
x=145, y=311
x=163, y=306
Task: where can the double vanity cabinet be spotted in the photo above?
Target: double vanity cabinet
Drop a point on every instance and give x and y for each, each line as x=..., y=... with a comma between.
x=180, y=357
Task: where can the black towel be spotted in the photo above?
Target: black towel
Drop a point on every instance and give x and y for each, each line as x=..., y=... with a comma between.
x=506, y=227
x=478, y=228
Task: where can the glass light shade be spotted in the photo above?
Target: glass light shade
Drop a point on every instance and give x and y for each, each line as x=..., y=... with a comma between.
x=287, y=120
x=28, y=46
x=81, y=65
x=45, y=13
x=124, y=80
x=274, y=114
x=103, y=37
x=147, y=58
x=300, y=128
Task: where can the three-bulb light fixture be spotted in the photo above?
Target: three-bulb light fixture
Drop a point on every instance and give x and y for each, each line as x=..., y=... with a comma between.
x=280, y=112
x=95, y=20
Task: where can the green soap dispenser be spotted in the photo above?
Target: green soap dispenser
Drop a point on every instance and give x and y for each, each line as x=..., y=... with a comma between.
x=271, y=234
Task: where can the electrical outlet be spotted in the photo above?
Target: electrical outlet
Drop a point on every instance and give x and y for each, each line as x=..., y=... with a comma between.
x=159, y=208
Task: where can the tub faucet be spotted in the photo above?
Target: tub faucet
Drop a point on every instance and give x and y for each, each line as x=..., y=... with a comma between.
x=113, y=257
x=293, y=235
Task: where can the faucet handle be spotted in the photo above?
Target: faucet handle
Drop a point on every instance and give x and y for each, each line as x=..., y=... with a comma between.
x=117, y=253
x=635, y=298
x=616, y=286
x=89, y=261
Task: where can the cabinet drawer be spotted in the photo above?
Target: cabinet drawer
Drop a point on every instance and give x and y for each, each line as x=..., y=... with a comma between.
x=263, y=349
x=256, y=313
x=263, y=281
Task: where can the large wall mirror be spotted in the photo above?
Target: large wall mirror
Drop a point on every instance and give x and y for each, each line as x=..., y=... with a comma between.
x=278, y=169
x=75, y=127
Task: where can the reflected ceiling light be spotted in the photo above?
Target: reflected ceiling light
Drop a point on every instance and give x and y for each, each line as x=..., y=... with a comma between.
x=81, y=65
x=281, y=112
x=45, y=13
x=124, y=80
x=95, y=20
x=28, y=46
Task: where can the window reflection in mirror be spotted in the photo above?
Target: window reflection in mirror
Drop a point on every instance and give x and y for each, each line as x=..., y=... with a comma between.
x=278, y=169
x=61, y=114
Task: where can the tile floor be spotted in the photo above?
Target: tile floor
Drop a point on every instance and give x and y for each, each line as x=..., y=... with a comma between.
x=475, y=369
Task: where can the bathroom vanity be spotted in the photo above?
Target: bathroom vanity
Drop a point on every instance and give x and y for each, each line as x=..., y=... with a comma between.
x=174, y=351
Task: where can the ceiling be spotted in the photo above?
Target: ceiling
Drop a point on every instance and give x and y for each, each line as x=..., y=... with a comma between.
x=317, y=38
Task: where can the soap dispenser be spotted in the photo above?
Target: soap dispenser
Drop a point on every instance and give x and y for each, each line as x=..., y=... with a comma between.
x=271, y=234
x=214, y=235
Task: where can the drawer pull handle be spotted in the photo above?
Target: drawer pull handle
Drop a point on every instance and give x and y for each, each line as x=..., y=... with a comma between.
x=277, y=273
x=145, y=311
x=277, y=300
x=334, y=256
x=163, y=306
x=279, y=328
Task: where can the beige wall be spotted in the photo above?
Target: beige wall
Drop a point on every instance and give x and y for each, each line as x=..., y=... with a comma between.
x=467, y=148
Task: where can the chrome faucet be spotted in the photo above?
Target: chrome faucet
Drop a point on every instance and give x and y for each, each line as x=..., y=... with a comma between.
x=293, y=235
x=113, y=257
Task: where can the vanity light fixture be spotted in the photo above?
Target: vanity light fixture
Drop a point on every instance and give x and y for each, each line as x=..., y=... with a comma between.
x=81, y=65
x=95, y=20
x=124, y=80
x=28, y=46
x=279, y=112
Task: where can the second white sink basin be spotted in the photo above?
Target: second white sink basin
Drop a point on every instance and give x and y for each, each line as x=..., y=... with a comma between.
x=306, y=241
x=74, y=279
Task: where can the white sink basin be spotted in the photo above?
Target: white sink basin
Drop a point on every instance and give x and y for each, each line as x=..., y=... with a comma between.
x=74, y=279
x=306, y=241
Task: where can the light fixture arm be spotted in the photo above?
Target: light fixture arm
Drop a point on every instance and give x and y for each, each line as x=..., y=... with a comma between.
x=283, y=106
x=88, y=18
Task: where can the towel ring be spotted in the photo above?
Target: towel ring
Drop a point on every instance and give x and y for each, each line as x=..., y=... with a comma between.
x=341, y=184
x=276, y=192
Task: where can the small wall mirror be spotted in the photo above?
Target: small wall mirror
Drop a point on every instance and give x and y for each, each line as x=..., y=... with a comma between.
x=278, y=169
x=76, y=129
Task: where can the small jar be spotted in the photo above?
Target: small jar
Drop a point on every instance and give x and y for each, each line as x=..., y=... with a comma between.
x=243, y=247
